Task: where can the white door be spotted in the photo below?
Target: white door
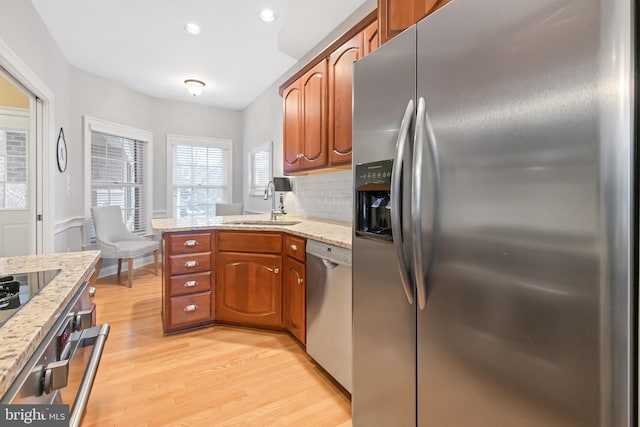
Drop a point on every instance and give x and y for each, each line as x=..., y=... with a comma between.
x=17, y=170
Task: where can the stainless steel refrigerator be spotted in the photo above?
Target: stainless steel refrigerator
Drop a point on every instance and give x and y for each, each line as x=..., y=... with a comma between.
x=494, y=219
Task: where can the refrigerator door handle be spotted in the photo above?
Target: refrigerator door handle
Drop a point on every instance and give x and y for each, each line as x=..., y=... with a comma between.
x=396, y=201
x=424, y=135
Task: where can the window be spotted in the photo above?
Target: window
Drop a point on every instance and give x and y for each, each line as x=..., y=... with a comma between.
x=259, y=169
x=13, y=169
x=120, y=171
x=199, y=175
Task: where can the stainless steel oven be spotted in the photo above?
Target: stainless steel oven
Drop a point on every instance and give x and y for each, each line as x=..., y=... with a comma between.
x=63, y=368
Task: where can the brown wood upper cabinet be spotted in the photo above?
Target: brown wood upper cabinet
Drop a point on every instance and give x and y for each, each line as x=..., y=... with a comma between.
x=317, y=103
x=370, y=38
x=340, y=83
x=305, y=121
x=395, y=16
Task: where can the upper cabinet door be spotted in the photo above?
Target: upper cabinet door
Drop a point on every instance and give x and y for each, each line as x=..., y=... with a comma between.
x=395, y=16
x=314, y=113
x=370, y=38
x=340, y=111
x=292, y=98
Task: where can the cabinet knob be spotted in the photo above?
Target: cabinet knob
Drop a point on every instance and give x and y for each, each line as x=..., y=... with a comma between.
x=294, y=248
x=191, y=243
x=276, y=270
x=191, y=307
x=300, y=280
x=191, y=264
x=190, y=284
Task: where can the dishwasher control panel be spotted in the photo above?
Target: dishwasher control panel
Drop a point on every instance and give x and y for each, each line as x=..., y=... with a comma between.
x=329, y=252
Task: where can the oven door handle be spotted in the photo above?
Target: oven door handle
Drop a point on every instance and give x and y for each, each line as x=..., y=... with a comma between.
x=96, y=336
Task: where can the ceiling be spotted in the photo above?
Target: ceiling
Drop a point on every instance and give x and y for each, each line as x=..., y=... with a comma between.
x=142, y=44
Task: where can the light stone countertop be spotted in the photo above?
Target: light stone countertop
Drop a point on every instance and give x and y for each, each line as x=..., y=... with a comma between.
x=332, y=232
x=23, y=332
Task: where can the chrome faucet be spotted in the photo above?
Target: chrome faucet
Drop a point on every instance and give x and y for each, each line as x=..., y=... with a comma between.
x=275, y=213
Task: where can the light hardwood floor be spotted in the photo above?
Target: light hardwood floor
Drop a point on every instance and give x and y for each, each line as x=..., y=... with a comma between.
x=216, y=376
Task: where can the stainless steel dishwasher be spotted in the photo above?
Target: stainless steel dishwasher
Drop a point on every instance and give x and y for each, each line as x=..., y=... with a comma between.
x=329, y=337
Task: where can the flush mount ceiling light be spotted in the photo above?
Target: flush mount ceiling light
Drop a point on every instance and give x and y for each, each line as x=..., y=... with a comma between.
x=267, y=15
x=193, y=29
x=194, y=86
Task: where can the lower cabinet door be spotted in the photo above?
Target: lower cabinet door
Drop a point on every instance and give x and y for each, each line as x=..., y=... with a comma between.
x=249, y=289
x=295, y=295
x=190, y=310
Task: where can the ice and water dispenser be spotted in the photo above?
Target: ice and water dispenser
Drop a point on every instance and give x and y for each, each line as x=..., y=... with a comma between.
x=373, y=199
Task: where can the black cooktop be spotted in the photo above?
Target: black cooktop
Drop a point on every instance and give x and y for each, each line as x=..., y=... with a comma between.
x=18, y=288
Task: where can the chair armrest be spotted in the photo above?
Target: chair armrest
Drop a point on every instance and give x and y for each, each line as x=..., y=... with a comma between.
x=108, y=249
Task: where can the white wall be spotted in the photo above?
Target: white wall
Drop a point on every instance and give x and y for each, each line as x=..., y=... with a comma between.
x=263, y=122
x=104, y=99
x=78, y=93
x=26, y=35
x=183, y=118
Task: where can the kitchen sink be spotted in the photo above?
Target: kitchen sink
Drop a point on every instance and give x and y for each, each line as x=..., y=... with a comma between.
x=263, y=222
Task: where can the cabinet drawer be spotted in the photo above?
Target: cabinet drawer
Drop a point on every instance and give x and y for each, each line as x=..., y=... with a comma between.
x=189, y=243
x=191, y=308
x=294, y=247
x=189, y=263
x=260, y=242
x=190, y=283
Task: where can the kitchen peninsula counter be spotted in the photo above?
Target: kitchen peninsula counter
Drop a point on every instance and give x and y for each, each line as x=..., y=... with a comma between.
x=332, y=232
x=21, y=334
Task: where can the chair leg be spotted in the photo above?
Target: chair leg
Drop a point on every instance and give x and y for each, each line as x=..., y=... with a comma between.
x=119, y=266
x=130, y=270
x=155, y=258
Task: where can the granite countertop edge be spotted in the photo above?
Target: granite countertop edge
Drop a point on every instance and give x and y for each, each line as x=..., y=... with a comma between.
x=24, y=331
x=332, y=232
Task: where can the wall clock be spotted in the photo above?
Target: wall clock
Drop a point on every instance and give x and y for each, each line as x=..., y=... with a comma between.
x=61, y=149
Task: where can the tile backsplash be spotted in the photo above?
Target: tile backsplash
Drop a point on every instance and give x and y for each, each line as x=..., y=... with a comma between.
x=326, y=195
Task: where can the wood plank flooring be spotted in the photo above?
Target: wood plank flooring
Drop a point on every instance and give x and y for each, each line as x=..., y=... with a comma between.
x=216, y=376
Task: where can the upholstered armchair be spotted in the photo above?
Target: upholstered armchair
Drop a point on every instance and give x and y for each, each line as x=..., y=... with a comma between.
x=115, y=241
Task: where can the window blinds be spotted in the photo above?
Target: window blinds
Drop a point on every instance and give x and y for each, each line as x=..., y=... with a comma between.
x=200, y=178
x=117, y=178
x=260, y=171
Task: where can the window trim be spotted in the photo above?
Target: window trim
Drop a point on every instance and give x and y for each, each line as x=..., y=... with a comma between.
x=92, y=124
x=203, y=141
x=255, y=191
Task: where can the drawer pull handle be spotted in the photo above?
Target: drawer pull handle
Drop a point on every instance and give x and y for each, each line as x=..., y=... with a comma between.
x=191, y=307
x=191, y=264
x=300, y=281
x=191, y=243
x=294, y=248
x=191, y=284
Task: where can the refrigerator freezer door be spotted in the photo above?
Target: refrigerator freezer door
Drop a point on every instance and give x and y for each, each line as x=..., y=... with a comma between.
x=383, y=319
x=527, y=319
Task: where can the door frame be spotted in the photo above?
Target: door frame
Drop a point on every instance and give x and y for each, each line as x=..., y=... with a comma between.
x=45, y=133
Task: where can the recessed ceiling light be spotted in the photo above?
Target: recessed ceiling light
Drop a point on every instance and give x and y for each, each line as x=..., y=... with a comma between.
x=193, y=29
x=267, y=15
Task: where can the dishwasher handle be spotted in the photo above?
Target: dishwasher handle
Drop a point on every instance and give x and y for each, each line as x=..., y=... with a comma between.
x=329, y=264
